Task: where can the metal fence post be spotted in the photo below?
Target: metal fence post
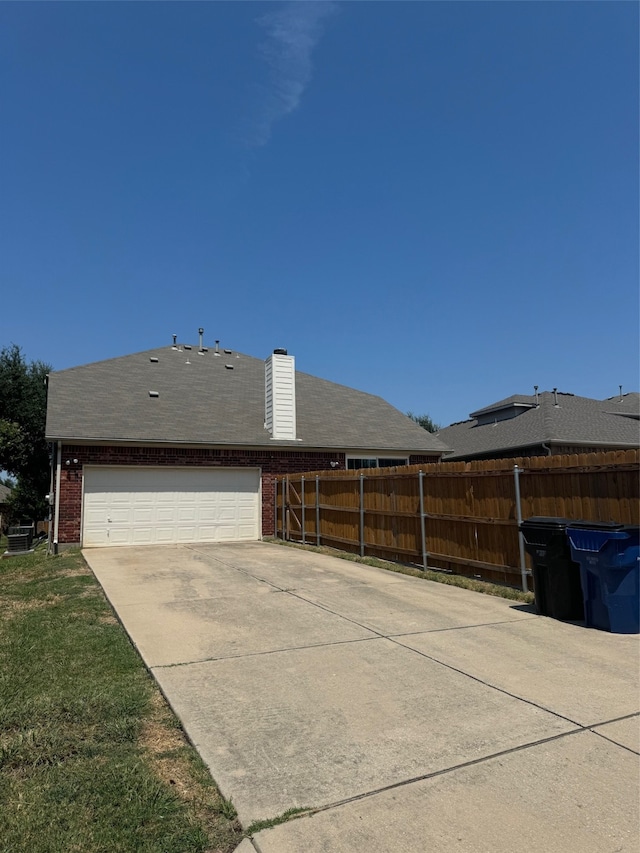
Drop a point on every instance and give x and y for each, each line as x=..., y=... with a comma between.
x=523, y=565
x=362, y=515
x=317, y=509
x=285, y=519
x=275, y=507
x=302, y=499
x=423, y=532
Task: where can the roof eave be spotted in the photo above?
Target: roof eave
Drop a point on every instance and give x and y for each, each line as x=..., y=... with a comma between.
x=273, y=443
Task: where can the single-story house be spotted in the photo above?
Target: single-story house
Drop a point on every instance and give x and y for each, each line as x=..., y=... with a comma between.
x=546, y=423
x=5, y=493
x=182, y=443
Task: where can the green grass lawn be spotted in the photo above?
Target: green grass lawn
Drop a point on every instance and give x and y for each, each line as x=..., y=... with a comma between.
x=91, y=757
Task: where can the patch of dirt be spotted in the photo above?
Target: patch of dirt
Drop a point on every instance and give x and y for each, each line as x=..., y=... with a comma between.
x=168, y=751
x=157, y=737
x=89, y=592
x=17, y=605
x=73, y=572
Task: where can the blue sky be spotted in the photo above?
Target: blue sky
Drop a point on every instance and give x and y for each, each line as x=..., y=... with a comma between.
x=433, y=202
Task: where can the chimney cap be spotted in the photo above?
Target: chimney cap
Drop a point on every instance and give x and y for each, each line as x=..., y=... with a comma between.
x=280, y=351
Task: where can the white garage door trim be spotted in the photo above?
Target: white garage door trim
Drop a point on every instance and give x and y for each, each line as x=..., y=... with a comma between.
x=148, y=505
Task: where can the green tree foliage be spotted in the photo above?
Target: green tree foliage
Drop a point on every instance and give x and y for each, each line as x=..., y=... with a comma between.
x=23, y=449
x=425, y=422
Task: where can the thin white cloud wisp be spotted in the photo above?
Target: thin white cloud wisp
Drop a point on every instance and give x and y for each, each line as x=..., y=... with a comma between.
x=292, y=34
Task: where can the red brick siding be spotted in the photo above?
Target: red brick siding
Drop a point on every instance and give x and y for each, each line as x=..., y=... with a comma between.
x=271, y=463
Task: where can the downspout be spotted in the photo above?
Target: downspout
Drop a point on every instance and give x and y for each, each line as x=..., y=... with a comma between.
x=52, y=483
x=56, y=521
x=547, y=448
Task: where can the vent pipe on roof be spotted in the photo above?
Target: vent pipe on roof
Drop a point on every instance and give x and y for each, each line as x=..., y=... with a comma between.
x=280, y=395
x=620, y=387
x=175, y=338
x=200, y=333
x=217, y=349
x=535, y=388
x=555, y=396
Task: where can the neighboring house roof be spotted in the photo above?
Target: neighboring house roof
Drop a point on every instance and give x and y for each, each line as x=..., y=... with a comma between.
x=524, y=421
x=5, y=491
x=201, y=401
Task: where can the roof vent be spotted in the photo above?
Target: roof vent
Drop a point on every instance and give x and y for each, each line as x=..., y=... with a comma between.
x=187, y=346
x=200, y=333
x=154, y=393
x=555, y=397
x=229, y=366
x=280, y=351
x=228, y=351
x=153, y=360
x=217, y=349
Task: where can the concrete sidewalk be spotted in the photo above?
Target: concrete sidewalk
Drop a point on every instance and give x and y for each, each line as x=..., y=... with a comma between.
x=409, y=716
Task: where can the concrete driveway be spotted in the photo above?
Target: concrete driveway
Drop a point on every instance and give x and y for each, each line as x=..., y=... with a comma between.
x=409, y=715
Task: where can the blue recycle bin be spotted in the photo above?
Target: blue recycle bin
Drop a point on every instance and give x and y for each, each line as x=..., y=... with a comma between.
x=609, y=559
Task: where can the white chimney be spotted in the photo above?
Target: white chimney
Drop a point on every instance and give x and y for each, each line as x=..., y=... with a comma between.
x=280, y=395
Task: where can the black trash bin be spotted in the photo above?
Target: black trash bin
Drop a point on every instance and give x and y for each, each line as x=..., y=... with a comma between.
x=556, y=576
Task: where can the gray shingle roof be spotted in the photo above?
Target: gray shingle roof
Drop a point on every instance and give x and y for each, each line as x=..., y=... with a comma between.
x=575, y=420
x=5, y=491
x=201, y=401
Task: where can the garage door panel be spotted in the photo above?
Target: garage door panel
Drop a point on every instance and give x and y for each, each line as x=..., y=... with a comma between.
x=226, y=533
x=187, y=534
x=165, y=535
x=143, y=515
x=165, y=514
x=131, y=505
x=206, y=514
x=118, y=498
x=186, y=514
x=121, y=515
x=119, y=536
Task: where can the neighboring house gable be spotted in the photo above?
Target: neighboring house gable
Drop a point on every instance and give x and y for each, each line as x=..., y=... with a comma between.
x=186, y=407
x=547, y=423
x=5, y=492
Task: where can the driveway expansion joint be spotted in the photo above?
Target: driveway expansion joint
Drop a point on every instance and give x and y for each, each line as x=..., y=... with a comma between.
x=443, y=772
x=456, y=628
x=266, y=652
x=491, y=686
x=592, y=728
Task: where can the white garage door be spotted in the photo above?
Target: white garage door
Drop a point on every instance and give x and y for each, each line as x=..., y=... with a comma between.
x=145, y=506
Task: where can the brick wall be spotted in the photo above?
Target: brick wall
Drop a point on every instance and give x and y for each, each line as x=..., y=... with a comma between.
x=271, y=463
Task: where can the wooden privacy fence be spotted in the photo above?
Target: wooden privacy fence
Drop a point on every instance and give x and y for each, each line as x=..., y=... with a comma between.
x=457, y=516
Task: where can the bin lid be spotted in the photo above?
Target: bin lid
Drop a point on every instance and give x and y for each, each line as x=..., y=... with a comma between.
x=542, y=521
x=600, y=525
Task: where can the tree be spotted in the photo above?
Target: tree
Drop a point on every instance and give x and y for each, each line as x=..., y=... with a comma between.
x=23, y=449
x=425, y=422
